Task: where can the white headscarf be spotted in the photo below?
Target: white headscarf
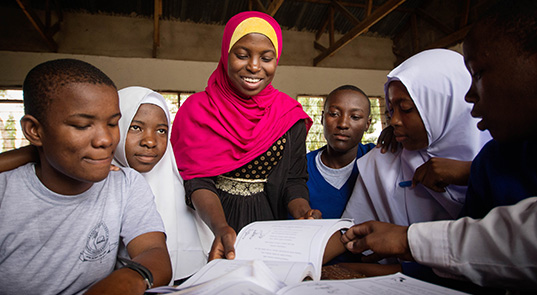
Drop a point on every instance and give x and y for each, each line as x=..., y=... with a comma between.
x=437, y=82
x=184, y=229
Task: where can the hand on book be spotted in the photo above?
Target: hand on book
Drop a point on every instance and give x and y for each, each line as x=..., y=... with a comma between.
x=384, y=239
x=223, y=244
x=312, y=214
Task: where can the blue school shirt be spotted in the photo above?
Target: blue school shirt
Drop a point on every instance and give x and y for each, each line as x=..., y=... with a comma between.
x=501, y=174
x=323, y=196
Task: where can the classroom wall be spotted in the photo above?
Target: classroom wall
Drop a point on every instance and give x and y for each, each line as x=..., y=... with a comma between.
x=132, y=36
x=165, y=74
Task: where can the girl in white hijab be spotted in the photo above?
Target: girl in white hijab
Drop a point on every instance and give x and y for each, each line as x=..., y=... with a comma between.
x=432, y=85
x=145, y=146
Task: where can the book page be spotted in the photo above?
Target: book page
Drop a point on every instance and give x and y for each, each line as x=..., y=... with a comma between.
x=222, y=270
x=245, y=286
x=396, y=284
x=290, y=272
x=288, y=240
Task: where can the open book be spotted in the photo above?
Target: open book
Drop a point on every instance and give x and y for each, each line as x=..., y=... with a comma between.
x=280, y=252
x=291, y=249
x=396, y=284
x=274, y=257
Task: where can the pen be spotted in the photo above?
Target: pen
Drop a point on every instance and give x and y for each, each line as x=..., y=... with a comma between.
x=407, y=183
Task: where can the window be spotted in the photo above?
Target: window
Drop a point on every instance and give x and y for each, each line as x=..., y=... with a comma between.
x=313, y=106
x=174, y=99
x=11, y=111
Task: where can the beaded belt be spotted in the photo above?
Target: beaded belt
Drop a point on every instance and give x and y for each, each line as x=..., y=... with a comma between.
x=240, y=186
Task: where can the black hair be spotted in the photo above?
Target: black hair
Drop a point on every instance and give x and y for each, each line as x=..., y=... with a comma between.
x=45, y=79
x=514, y=19
x=348, y=87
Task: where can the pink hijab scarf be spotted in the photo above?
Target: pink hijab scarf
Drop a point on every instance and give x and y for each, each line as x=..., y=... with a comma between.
x=217, y=131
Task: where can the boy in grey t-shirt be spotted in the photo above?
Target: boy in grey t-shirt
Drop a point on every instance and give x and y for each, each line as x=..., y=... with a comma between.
x=64, y=217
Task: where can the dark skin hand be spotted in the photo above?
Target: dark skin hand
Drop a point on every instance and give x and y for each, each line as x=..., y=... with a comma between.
x=210, y=209
x=384, y=239
x=148, y=249
x=437, y=173
x=387, y=141
x=211, y=212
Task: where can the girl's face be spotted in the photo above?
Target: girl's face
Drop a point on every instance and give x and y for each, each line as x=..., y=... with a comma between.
x=147, y=138
x=251, y=64
x=406, y=121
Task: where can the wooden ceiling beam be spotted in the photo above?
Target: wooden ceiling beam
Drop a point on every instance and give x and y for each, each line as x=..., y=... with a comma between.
x=46, y=31
x=345, y=12
x=322, y=29
x=331, y=26
x=156, y=26
x=352, y=4
x=260, y=6
x=274, y=6
x=369, y=21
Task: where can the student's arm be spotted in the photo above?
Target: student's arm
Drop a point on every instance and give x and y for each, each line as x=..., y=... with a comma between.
x=499, y=250
x=209, y=208
x=437, y=173
x=149, y=250
x=12, y=159
x=334, y=247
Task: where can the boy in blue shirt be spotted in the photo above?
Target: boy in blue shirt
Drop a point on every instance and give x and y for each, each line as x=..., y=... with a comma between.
x=332, y=170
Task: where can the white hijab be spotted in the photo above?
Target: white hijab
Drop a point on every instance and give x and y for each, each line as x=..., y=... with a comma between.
x=184, y=229
x=437, y=82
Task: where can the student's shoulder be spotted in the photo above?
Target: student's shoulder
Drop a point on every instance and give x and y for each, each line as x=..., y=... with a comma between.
x=314, y=153
x=125, y=174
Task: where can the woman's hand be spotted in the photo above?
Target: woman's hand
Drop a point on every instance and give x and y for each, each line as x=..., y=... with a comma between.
x=312, y=214
x=300, y=208
x=223, y=244
x=387, y=140
x=437, y=173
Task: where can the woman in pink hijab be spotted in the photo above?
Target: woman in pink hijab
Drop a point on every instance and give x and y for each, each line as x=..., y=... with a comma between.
x=240, y=144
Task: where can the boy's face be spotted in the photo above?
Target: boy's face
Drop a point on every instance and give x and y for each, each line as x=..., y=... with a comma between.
x=504, y=85
x=345, y=119
x=79, y=135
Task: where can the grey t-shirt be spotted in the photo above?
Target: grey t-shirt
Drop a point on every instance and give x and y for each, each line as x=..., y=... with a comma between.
x=57, y=244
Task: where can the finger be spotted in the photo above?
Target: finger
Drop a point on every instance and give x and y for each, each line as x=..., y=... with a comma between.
x=357, y=246
x=355, y=232
x=216, y=251
x=316, y=214
x=229, y=248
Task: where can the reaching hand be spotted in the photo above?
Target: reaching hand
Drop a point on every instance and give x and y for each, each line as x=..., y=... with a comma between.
x=387, y=140
x=384, y=239
x=437, y=173
x=312, y=214
x=224, y=244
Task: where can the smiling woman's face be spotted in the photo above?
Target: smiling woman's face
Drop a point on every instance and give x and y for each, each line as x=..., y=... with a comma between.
x=147, y=138
x=409, y=129
x=252, y=64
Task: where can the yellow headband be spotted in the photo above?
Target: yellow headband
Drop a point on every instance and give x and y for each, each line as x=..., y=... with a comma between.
x=254, y=25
